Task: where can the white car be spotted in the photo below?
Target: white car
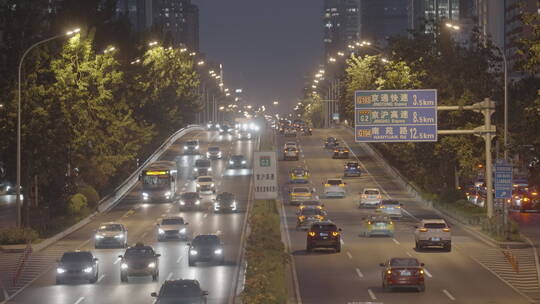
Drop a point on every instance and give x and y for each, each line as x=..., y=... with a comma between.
x=300, y=194
x=111, y=234
x=203, y=167
x=370, y=198
x=334, y=187
x=172, y=227
x=290, y=144
x=206, y=185
x=433, y=232
x=390, y=207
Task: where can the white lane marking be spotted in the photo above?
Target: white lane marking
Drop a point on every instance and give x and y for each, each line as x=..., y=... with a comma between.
x=79, y=300
x=448, y=295
x=187, y=183
x=427, y=273
x=218, y=232
x=116, y=261
x=179, y=259
x=349, y=255
x=169, y=276
x=395, y=241
x=84, y=244
x=342, y=242
x=205, y=215
x=184, y=188
x=144, y=234
x=408, y=254
x=359, y=273
x=101, y=278
x=371, y=294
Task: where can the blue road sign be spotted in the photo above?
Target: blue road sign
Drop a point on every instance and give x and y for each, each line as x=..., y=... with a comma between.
x=396, y=116
x=503, y=179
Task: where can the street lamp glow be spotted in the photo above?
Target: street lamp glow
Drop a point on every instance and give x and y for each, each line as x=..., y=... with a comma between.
x=238, y=90
x=314, y=86
x=332, y=59
x=192, y=54
x=135, y=61
x=221, y=108
x=218, y=77
x=249, y=106
x=276, y=102
x=112, y=48
x=183, y=50
x=152, y=43
x=385, y=60
x=226, y=90
x=72, y=32
x=316, y=81
x=227, y=94
x=321, y=71
x=341, y=54
x=200, y=62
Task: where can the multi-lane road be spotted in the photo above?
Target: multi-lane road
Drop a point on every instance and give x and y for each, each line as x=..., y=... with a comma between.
x=140, y=219
x=354, y=275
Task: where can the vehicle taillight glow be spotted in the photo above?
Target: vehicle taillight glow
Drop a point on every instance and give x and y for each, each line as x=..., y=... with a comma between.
x=335, y=233
x=389, y=271
x=302, y=217
x=446, y=229
x=423, y=229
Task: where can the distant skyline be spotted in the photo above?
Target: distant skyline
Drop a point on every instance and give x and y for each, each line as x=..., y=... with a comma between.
x=266, y=47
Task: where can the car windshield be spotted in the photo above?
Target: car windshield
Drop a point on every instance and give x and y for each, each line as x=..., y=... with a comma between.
x=192, y=143
x=190, y=195
x=390, y=202
x=324, y=227
x=179, y=290
x=77, y=257
x=311, y=203
x=403, y=262
x=237, y=157
x=334, y=182
x=139, y=251
x=435, y=225
x=300, y=190
x=225, y=197
x=298, y=171
x=291, y=149
x=330, y=139
x=172, y=221
x=206, y=240
x=384, y=222
x=205, y=179
x=352, y=165
x=371, y=192
x=310, y=211
x=213, y=149
x=202, y=163
x=110, y=227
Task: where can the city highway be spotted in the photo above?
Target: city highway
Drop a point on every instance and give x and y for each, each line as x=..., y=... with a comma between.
x=140, y=219
x=354, y=275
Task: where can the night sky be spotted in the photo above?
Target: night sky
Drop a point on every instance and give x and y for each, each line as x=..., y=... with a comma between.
x=267, y=46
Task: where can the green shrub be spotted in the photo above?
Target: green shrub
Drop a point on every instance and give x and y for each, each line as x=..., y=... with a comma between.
x=15, y=235
x=77, y=204
x=91, y=195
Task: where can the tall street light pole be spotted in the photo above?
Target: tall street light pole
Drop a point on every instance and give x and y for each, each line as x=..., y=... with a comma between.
x=18, y=189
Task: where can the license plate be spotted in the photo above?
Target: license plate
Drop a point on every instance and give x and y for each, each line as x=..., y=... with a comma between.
x=380, y=224
x=323, y=234
x=436, y=239
x=405, y=273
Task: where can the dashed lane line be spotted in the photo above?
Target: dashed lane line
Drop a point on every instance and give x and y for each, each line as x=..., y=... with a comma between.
x=101, y=278
x=427, y=273
x=169, y=276
x=349, y=255
x=116, y=261
x=409, y=254
x=359, y=273
x=448, y=294
x=371, y=294
x=395, y=241
x=179, y=259
x=80, y=300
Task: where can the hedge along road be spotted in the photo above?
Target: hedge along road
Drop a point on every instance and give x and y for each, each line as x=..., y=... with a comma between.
x=140, y=220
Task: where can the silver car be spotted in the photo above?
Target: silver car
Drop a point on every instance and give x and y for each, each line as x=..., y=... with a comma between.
x=172, y=227
x=110, y=234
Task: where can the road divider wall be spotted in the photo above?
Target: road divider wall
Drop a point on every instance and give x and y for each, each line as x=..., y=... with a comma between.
x=266, y=258
x=109, y=201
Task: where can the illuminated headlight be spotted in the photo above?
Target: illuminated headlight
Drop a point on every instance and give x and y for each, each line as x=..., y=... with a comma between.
x=233, y=205
x=243, y=162
x=216, y=206
x=124, y=266
x=182, y=203
x=217, y=125
x=185, y=147
x=212, y=185
x=161, y=231
x=231, y=162
x=197, y=202
x=218, y=251
x=193, y=252
x=60, y=270
x=87, y=269
x=197, y=147
x=220, y=130
x=195, y=169
x=209, y=169
x=183, y=230
x=219, y=153
x=207, y=154
x=99, y=237
x=119, y=236
x=168, y=193
x=209, y=125
x=198, y=185
x=152, y=265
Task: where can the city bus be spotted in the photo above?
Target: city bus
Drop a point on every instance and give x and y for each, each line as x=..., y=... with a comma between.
x=158, y=182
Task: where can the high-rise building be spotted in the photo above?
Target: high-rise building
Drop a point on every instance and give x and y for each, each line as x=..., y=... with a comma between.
x=381, y=19
x=436, y=10
x=342, y=24
x=179, y=20
x=139, y=13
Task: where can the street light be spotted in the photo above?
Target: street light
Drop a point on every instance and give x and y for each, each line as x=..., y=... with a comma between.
x=112, y=48
x=152, y=43
x=505, y=62
x=200, y=62
x=332, y=59
x=276, y=102
x=18, y=190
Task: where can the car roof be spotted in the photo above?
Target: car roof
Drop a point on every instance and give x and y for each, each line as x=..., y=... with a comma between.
x=441, y=221
x=390, y=201
x=171, y=217
x=205, y=176
x=371, y=189
x=111, y=223
x=334, y=178
x=378, y=218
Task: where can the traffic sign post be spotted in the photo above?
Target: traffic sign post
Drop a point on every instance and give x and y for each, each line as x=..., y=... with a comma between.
x=396, y=116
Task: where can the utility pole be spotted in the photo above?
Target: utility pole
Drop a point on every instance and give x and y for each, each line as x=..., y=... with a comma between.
x=487, y=132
